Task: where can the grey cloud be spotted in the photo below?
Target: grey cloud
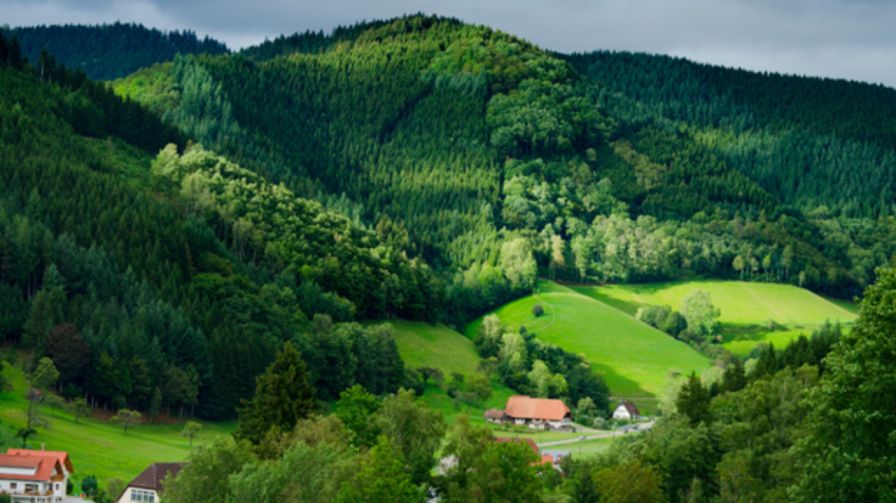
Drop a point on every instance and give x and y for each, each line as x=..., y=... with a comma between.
x=834, y=38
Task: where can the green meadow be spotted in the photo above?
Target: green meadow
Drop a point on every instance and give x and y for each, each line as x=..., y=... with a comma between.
x=97, y=447
x=750, y=312
x=636, y=361
x=438, y=346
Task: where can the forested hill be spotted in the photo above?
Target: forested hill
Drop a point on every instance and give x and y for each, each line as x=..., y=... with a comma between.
x=819, y=144
x=498, y=159
x=419, y=167
x=109, y=51
x=165, y=276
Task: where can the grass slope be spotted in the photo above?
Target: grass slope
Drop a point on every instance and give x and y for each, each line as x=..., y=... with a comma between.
x=746, y=307
x=97, y=447
x=636, y=360
x=438, y=346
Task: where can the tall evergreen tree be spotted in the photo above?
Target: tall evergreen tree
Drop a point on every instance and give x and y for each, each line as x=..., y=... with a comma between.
x=283, y=395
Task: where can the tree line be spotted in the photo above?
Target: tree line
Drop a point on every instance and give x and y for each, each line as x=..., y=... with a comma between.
x=109, y=51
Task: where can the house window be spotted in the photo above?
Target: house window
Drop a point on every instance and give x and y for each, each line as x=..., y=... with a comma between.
x=143, y=495
x=12, y=485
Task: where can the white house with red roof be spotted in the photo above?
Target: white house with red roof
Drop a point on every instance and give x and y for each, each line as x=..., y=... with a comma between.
x=31, y=476
x=547, y=413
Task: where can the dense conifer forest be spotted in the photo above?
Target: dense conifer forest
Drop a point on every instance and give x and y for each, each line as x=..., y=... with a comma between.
x=106, y=52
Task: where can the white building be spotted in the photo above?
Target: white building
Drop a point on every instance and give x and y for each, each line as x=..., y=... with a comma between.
x=30, y=476
x=147, y=487
x=627, y=411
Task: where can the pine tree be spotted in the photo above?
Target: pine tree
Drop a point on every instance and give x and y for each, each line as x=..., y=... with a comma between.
x=693, y=401
x=283, y=395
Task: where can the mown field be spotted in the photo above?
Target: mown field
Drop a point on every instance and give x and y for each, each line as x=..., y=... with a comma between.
x=438, y=346
x=750, y=312
x=637, y=361
x=97, y=447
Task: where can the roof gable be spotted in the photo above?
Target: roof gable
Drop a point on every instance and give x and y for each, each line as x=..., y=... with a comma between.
x=629, y=407
x=154, y=475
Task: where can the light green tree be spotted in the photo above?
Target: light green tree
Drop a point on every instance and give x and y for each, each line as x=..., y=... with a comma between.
x=414, y=430
x=518, y=263
x=127, y=418
x=191, y=429
x=699, y=312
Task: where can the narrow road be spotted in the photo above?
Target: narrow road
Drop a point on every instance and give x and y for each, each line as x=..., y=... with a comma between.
x=608, y=434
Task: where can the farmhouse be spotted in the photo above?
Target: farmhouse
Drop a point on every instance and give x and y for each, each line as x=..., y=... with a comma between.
x=147, y=487
x=31, y=476
x=627, y=411
x=537, y=412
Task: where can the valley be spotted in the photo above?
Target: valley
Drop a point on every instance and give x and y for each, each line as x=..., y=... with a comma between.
x=341, y=254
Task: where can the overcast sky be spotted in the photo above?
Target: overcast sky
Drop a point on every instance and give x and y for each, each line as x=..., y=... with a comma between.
x=854, y=39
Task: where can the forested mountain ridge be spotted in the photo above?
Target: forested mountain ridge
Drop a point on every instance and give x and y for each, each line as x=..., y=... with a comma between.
x=469, y=139
x=109, y=51
x=819, y=144
x=171, y=282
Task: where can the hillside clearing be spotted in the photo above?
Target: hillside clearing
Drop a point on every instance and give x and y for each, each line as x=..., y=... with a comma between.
x=438, y=346
x=635, y=360
x=750, y=312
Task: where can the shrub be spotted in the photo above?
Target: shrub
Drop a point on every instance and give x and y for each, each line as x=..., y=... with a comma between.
x=537, y=310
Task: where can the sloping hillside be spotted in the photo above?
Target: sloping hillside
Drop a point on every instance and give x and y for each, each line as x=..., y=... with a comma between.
x=459, y=139
x=750, y=313
x=166, y=293
x=440, y=347
x=635, y=360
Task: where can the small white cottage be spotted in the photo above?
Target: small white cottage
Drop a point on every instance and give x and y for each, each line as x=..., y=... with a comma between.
x=626, y=411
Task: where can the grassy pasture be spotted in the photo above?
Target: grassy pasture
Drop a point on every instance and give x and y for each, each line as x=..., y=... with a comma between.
x=635, y=360
x=98, y=447
x=747, y=308
x=438, y=346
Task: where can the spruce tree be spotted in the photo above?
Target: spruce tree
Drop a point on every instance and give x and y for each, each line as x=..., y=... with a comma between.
x=283, y=395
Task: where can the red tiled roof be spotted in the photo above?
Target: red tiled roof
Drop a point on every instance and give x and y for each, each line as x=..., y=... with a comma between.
x=44, y=466
x=61, y=456
x=545, y=409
